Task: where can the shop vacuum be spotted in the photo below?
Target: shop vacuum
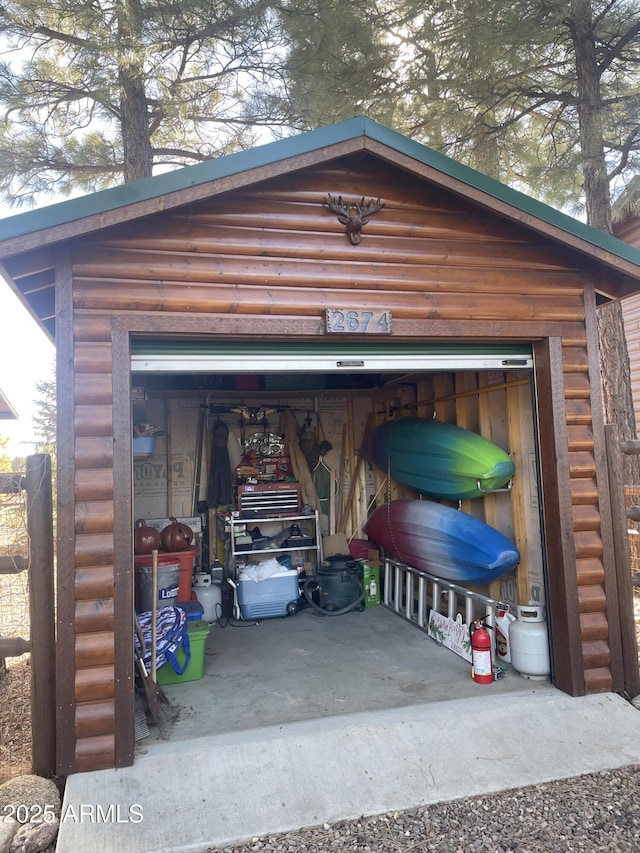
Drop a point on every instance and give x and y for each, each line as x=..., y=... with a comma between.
x=336, y=587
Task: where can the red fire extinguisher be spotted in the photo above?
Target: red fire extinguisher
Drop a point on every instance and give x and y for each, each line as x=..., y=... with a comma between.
x=481, y=665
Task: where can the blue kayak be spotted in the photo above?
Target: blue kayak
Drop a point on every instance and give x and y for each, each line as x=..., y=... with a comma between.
x=438, y=459
x=442, y=541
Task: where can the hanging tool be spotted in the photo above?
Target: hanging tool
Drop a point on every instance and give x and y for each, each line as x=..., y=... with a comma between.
x=197, y=472
x=333, y=492
x=343, y=442
x=322, y=478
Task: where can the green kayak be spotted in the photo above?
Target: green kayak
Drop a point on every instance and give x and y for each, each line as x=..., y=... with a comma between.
x=437, y=459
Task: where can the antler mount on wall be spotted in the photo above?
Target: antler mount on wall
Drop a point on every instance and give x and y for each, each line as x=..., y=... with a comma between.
x=354, y=214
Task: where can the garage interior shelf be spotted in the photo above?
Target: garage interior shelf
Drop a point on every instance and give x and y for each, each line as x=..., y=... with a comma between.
x=240, y=523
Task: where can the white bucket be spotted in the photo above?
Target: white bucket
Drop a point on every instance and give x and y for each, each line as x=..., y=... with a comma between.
x=168, y=583
x=529, y=642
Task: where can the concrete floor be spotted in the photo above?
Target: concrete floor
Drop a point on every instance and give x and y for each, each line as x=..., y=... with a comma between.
x=314, y=719
x=310, y=666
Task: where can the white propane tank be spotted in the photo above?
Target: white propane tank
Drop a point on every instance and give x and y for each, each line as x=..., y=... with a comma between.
x=503, y=644
x=209, y=594
x=529, y=642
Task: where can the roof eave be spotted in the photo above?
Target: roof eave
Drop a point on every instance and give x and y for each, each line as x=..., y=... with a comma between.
x=529, y=212
x=31, y=230
x=148, y=196
x=7, y=412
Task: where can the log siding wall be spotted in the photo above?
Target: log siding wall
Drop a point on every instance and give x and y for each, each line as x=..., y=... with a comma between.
x=95, y=679
x=443, y=266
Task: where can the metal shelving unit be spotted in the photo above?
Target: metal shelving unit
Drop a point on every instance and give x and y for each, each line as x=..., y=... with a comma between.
x=243, y=552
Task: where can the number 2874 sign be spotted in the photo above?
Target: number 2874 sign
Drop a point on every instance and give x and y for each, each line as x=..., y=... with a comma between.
x=358, y=322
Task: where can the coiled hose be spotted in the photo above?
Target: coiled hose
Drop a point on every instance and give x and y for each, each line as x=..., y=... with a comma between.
x=306, y=589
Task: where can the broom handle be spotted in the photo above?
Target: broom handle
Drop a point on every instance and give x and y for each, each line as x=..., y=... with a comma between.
x=154, y=610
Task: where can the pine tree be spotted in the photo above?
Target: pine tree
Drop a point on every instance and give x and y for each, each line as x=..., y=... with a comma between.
x=543, y=96
x=339, y=63
x=95, y=94
x=45, y=419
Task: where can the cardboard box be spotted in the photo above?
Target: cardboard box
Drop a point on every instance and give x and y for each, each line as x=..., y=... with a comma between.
x=335, y=544
x=371, y=583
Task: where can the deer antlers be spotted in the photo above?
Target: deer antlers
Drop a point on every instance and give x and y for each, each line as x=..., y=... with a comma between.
x=354, y=214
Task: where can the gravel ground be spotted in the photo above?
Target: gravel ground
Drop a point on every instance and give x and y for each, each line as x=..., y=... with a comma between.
x=596, y=812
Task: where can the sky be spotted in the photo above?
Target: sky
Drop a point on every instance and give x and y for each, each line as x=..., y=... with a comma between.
x=26, y=358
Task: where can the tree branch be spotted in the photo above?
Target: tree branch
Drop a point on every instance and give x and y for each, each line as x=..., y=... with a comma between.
x=615, y=52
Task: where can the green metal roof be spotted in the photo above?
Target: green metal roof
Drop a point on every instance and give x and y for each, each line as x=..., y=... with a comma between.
x=191, y=176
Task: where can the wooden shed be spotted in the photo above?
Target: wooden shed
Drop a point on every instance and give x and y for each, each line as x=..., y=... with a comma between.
x=240, y=280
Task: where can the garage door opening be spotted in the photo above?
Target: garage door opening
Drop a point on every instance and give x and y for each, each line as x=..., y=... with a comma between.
x=261, y=668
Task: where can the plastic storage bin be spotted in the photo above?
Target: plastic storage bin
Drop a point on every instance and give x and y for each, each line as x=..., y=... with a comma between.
x=193, y=610
x=144, y=445
x=270, y=597
x=198, y=633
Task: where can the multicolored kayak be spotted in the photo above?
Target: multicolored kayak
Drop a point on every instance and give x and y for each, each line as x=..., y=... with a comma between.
x=437, y=459
x=442, y=541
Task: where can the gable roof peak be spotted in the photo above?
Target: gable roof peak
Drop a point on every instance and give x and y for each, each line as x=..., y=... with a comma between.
x=67, y=219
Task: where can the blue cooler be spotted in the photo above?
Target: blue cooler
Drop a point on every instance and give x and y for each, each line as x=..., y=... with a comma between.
x=270, y=597
x=193, y=610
